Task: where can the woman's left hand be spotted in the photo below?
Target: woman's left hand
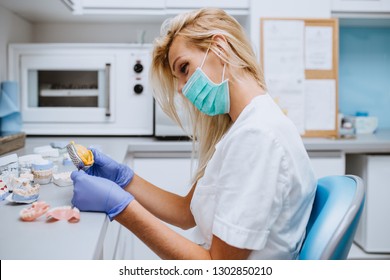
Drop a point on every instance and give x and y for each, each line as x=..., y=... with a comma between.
x=106, y=167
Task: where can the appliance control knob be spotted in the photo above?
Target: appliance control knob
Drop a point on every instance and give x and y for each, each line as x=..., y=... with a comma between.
x=138, y=88
x=138, y=67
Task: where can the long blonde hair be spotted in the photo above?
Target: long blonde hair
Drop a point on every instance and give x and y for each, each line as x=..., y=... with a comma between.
x=199, y=28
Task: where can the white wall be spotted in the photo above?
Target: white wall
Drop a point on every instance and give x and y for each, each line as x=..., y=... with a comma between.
x=105, y=32
x=94, y=32
x=13, y=29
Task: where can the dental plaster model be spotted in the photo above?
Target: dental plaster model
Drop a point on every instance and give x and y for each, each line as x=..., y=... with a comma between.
x=60, y=145
x=14, y=182
x=26, y=193
x=9, y=165
x=42, y=171
x=66, y=161
x=36, y=210
x=27, y=176
x=47, y=151
x=62, y=179
x=71, y=214
x=42, y=176
x=81, y=157
x=3, y=190
x=26, y=161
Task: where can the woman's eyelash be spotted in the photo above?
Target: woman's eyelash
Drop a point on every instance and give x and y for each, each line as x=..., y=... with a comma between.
x=183, y=68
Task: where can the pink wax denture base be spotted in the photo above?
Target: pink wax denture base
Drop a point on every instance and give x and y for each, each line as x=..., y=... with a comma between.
x=71, y=214
x=38, y=208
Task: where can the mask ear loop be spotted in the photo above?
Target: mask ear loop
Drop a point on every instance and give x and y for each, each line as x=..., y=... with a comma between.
x=224, y=67
x=223, y=72
x=204, y=58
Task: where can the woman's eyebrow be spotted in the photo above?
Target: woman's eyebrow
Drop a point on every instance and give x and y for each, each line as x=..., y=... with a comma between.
x=174, y=64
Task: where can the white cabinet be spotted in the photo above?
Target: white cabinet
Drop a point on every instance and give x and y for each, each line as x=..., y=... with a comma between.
x=373, y=233
x=120, y=4
x=170, y=171
x=117, y=7
x=361, y=6
x=113, y=246
x=152, y=7
x=326, y=163
x=223, y=4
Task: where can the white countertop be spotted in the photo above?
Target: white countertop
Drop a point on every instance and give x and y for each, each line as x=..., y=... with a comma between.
x=117, y=147
x=58, y=240
x=363, y=143
x=369, y=143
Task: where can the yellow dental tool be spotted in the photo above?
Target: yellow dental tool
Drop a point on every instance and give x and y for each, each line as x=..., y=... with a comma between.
x=81, y=157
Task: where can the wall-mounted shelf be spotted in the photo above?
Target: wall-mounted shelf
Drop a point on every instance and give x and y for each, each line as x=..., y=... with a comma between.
x=361, y=9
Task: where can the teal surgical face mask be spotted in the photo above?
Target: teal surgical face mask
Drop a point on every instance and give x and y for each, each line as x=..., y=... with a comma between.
x=210, y=98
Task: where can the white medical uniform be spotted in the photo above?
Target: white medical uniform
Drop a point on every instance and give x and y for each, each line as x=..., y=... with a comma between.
x=258, y=188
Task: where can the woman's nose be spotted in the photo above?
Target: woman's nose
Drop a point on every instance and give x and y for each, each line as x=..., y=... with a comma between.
x=180, y=86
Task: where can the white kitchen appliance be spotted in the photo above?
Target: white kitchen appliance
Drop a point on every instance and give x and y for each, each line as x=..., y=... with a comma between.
x=83, y=89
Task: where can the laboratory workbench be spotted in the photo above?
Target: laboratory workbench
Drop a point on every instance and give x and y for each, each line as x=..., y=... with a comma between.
x=60, y=240
x=85, y=240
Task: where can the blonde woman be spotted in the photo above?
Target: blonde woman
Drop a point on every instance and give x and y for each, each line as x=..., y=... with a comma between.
x=254, y=187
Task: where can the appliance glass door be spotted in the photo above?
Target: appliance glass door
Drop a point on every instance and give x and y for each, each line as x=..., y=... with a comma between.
x=67, y=88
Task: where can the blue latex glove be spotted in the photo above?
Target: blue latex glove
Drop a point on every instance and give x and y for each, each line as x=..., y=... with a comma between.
x=108, y=168
x=98, y=194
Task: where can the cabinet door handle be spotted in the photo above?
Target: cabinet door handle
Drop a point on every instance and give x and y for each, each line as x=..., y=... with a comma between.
x=107, y=90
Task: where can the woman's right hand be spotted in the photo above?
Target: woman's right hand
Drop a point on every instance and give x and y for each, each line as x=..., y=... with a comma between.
x=108, y=168
x=98, y=194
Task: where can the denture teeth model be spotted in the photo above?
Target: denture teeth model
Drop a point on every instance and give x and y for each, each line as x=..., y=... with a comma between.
x=42, y=171
x=26, y=192
x=15, y=182
x=81, y=157
x=33, y=212
x=4, y=192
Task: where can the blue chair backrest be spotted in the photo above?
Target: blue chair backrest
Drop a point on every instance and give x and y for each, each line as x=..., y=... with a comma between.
x=334, y=218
